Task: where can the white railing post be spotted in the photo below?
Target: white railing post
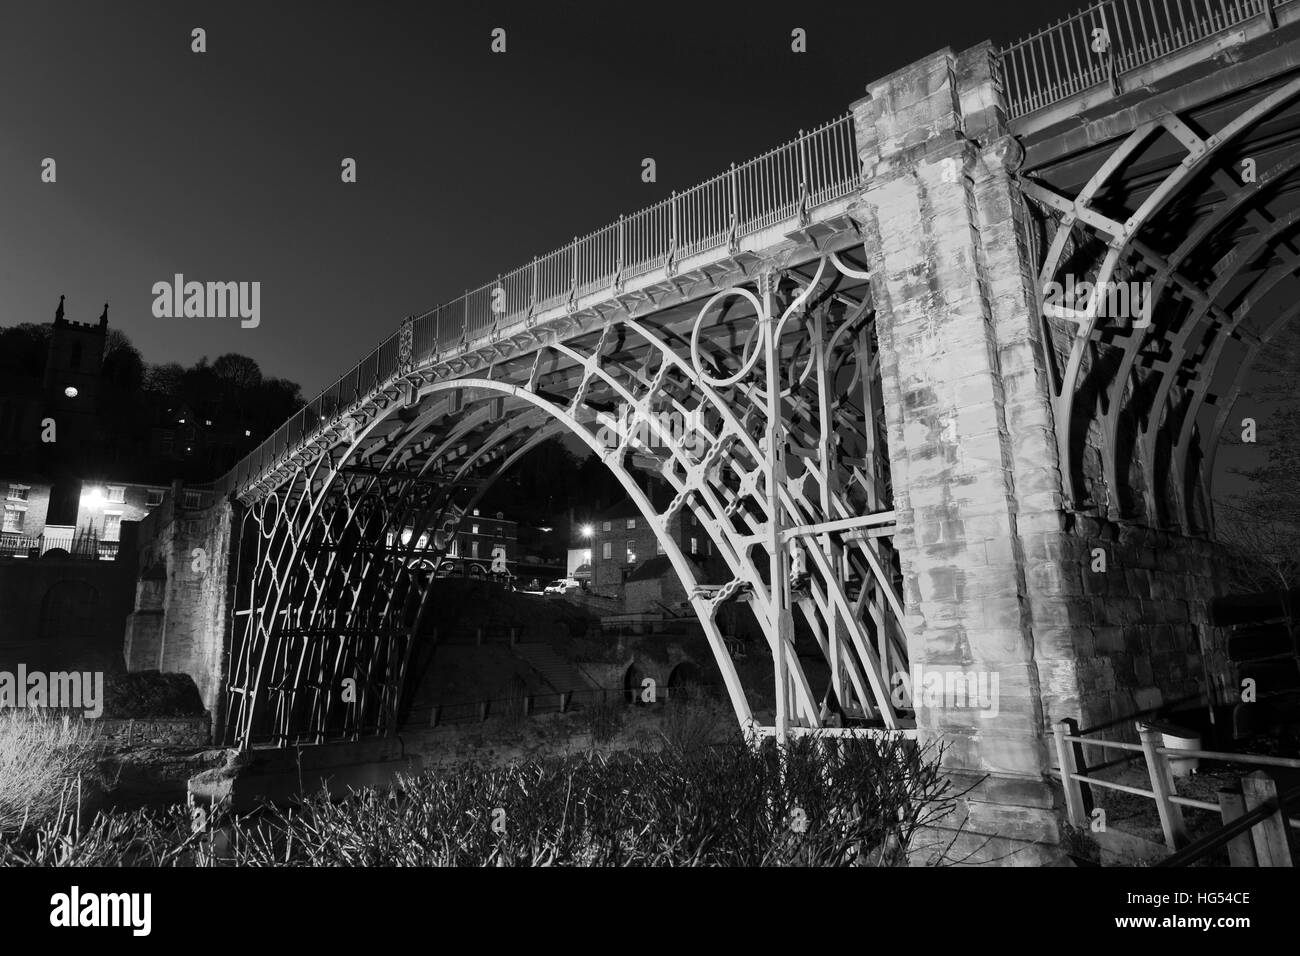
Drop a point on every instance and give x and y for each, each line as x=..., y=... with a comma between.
x=494, y=298
x=735, y=209
x=1162, y=787
x=1109, y=21
x=532, y=302
x=618, y=266
x=803, y=182
x=573, y=289
x=672, y=232
x=1073, y=791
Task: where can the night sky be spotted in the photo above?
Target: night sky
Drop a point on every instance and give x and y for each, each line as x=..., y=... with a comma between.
x=225, y=166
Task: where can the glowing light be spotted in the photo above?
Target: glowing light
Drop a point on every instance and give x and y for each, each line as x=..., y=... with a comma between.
x=70, y=391
x=406, y=536
x=93, y=496
x=588, y=531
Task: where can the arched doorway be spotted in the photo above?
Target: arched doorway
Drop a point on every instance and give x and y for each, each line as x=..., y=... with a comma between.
x=632, y=679
x=686, y=682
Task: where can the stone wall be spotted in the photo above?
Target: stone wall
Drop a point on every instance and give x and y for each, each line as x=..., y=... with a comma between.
x=154, y=731
x=64, y=613
x=1138, y=600
x=179, y=624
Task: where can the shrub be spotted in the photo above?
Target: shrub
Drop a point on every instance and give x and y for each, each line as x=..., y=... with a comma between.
x=814, y=803
x=513, y=702
x=45, y=764
x=690, y=722
x=604, y=718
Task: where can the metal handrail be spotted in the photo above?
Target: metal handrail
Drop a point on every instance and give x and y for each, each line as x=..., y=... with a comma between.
x=783, y=184
x=1112, y=37
x=1155, y=757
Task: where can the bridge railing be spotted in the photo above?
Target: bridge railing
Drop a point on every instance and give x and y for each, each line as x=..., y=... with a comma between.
x=1109, y=38
x=783, y=184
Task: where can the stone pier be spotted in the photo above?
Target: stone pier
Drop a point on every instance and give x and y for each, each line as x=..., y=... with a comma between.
x=999, y=572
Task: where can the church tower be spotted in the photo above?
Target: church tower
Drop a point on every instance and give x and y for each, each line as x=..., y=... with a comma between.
x=76, y=359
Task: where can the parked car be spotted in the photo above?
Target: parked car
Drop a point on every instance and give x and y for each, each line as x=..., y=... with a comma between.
x=563, y=586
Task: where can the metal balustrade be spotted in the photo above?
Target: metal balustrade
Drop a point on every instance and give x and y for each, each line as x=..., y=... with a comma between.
x=1098, y=44
x=780, y=186
x=82, y=545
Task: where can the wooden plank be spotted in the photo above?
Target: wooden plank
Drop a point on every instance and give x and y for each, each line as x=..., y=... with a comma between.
x=1272, y=847
x=1241, y=849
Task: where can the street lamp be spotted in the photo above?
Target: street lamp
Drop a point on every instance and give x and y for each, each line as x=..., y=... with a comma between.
x=587, y=530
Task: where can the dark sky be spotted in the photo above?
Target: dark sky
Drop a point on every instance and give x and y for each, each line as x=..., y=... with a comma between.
x=224, y=166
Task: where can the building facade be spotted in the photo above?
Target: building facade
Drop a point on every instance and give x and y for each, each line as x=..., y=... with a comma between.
x=626, y=553
x=26, y=529
x=484, y=546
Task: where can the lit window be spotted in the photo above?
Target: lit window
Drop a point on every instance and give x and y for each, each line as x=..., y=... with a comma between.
x=18, y=492
x=476, y=512
x=695, y=545
x=631, y=524
x=113, y=526
x=13, y=523
x=605, y=526
x=473, y=549
x=473, y=529
x=631, y=552
x=607, y=550
x=153, y=497
x=117, y=493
